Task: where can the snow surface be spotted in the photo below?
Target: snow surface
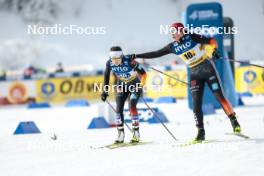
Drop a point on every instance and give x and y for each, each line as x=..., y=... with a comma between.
x=72, y=152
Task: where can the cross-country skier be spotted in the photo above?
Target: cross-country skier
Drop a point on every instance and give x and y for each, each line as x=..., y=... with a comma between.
x=192, y=49
x=131, y=78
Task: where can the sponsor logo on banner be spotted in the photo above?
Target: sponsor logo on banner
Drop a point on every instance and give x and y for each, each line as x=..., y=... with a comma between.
x=17, y=93
x=48, y=89
x=143, y=114
x=250, y=76
x=204, y=15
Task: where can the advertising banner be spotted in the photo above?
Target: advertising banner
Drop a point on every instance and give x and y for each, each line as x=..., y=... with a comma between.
x=250, y=79
x=59, y=90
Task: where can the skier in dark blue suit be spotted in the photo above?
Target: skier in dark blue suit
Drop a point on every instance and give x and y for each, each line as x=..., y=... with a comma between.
x=131, y=78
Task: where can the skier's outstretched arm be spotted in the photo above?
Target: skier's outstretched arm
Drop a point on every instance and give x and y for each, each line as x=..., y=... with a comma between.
x=154, y=54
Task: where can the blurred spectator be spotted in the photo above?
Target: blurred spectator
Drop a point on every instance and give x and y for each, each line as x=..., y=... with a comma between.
x=40, y=71
x=2, y=74
x=28, y=72
x=59, y=68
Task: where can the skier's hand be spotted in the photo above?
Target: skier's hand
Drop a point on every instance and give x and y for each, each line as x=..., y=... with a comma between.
x=104, y=96
x=133, y=56
x=216, y=54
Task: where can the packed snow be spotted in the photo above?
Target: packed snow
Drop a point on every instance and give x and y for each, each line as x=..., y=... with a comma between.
x=77, y=150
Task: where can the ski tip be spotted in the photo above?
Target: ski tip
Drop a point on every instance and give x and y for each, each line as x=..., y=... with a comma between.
x=239, y=135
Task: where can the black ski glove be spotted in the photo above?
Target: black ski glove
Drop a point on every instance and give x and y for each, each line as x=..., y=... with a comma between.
x=104, y=96
x=133, y=56
x=216, y=55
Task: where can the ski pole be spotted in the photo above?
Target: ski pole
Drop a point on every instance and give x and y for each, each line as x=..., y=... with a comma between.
x=243, y=62
x=155, y=115
x=111, y=106
x=169, y=76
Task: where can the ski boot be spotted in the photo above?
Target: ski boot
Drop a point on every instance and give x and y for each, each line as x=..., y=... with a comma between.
x=136, y=136
x=235, y=124
x=120, y=136
x=200, y=136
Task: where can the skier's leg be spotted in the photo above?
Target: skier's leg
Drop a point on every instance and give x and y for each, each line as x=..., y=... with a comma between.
x=134, y=97
x=120, y=102
x=197, y=89
x=133, y=109
x=215, y=85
